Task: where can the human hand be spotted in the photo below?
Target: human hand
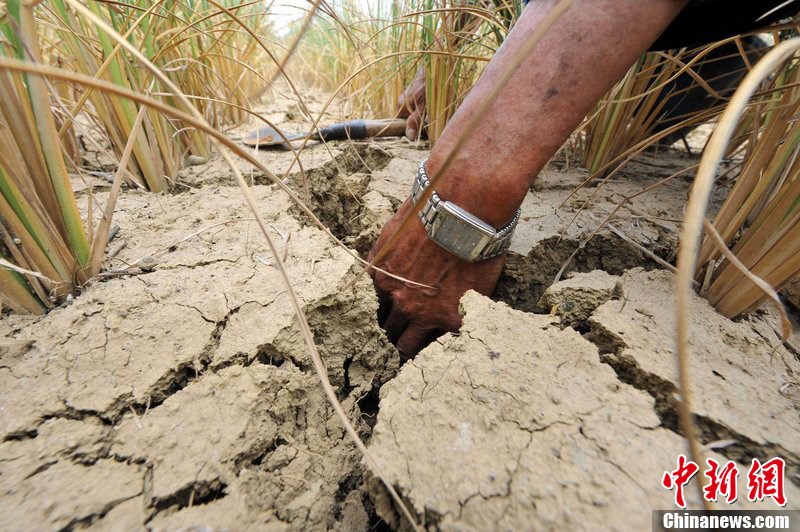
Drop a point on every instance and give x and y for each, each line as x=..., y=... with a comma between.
x=411, y=105
x=414, y=316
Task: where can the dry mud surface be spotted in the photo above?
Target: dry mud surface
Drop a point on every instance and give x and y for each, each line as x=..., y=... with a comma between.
x=180, y=394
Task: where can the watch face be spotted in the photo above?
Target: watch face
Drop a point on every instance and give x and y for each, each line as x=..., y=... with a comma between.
x=460, y=232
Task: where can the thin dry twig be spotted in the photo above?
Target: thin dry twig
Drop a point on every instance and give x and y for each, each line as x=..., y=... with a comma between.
x=13, y=267
x=635, y=244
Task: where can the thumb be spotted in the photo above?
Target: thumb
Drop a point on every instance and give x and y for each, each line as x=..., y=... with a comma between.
x=403, y=109
x=412, y=126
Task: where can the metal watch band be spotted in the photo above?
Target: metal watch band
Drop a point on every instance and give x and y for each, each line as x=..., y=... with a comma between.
x=455, y=229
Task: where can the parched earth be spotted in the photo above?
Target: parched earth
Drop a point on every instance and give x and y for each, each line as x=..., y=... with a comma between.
x=176, y=391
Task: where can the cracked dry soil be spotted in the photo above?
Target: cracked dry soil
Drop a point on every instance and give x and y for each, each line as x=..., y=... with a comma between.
x=183, y=397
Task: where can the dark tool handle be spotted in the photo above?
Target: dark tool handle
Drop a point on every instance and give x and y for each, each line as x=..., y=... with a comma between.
x=362, y=129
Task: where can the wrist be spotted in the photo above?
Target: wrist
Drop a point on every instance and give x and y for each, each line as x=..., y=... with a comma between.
x=492, y=192
x=456, y=229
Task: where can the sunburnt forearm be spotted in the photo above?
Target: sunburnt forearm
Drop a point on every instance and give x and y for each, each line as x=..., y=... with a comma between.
x=582, y=55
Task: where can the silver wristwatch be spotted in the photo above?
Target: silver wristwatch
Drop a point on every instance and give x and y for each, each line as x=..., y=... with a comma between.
x=456, y=230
